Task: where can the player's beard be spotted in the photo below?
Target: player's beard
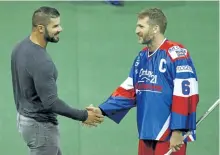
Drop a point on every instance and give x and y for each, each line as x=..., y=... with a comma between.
x=147, y=38
x=48, y=38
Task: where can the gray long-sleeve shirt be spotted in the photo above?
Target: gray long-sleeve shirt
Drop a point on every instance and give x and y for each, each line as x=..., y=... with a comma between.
x=34, y=85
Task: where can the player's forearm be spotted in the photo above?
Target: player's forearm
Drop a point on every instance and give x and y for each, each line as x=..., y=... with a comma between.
x=176, y=132
x=61, y=108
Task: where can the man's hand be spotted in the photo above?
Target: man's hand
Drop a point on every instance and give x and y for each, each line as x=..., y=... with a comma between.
x=176, y=141
x=94, y=116
x=95, y=109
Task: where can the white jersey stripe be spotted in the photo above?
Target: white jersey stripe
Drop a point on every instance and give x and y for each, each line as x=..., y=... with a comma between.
x=185, y=87
x=191, y=138
x=127, y=84
x=164, y=128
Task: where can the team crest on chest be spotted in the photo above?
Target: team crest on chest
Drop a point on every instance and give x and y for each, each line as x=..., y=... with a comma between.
x=147, y=76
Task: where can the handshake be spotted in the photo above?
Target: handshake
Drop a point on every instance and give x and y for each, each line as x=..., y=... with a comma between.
x=94, y=116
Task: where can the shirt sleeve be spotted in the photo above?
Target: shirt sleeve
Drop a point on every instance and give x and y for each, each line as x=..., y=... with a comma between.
x=121, y=100
x=46, y=88
x=185, y=93
x=45, y=84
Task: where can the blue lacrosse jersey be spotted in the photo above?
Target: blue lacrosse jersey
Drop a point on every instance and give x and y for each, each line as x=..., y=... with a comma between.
x=163, y=86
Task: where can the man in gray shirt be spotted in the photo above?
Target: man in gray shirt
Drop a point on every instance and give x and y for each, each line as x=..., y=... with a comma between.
x=34, y=78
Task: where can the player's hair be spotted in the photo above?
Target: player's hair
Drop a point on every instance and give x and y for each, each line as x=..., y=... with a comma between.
x=156, y=17
x=43, y=15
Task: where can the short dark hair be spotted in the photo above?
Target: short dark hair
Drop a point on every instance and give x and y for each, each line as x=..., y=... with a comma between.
x=156, y=16
x=43, y=15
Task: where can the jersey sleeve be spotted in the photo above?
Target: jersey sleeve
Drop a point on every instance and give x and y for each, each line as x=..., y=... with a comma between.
x=185, y=92
x=120, y=101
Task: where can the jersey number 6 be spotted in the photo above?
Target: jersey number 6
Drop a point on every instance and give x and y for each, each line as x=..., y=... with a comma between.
x=185, y=87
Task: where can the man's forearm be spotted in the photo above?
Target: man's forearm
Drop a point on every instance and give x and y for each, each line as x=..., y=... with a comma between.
x=61, y=108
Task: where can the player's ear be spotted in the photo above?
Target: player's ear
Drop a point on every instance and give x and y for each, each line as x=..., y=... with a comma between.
x=41, y=28
x=156, y=28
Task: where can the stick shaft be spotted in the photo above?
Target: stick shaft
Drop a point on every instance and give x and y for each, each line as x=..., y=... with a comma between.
x=199, y=121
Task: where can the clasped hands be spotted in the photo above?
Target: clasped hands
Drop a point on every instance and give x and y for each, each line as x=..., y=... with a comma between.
x=95, y=116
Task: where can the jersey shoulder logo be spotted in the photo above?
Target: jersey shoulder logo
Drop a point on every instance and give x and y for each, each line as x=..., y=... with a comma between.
x=177, y=52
